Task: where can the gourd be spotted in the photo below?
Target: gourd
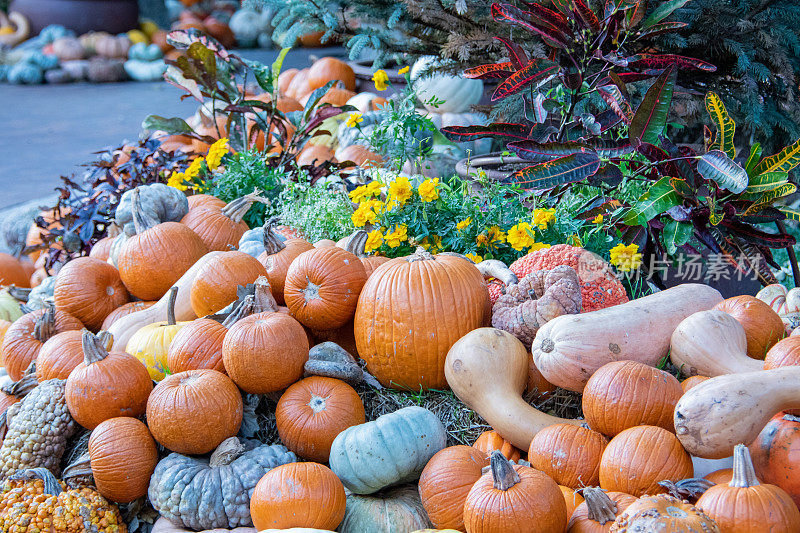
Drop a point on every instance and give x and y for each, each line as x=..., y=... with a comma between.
x=489, y=441
x=150, y=344
x=106, y=385
x=89, y=289
x=112, y=46
x=569, y=349
x=124, y=328
x=569, y=454
x=599, y=510
x=624, y=394
x=9, y=307
x=663, y=514
x=514, y=498
x=216, y=282
x=487, y=370
x=142, y=70
x=716, y=415
x=625, y=468
x=20, y=27
x=316, y=499
x=125, y=310
x=68, y=49
x=745, y=505
x=398, y=331
x=123, y=456
x=347, y=136
x=197, y=345
x=784, y=302
x=313, y=411
x=25, y=73
x=204, y=493
x=192, y=412
x=392, y=449
x=396, y=510
x=166, y=204
x=762, y=325
x=459, y=94
x=366, y=101
x=42, y=294
x=711, y=343
x=221, y=228
x=774, y=454
x=446, y=481
x=145, y=52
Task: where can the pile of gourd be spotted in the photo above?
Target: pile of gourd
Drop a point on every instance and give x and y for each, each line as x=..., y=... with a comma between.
x=157, y=342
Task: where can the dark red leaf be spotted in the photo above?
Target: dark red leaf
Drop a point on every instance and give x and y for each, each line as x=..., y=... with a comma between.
x=662, y=61
x=756, y=236
x=616, y=101
x=567, y=169
x=651, y=115
x=515, y=15
x=587, y=16
x=493, y=70
x=537, y=71
x=534, y=151
x=518, y=56
x=498, y=129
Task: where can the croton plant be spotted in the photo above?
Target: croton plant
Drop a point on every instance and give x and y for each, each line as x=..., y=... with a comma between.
x=596, y=134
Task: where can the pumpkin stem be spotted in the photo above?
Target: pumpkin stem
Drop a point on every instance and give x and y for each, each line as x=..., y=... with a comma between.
x=492, y=268
x=687, y=489
x=142, y=219
x=45, y=325
x=744, y=474
x=237, y=209
x=93, y=349
x=173, y=296
x=503, y=472
x=272, y=241
x=421, y=254
x=263, y=299
x=51, y=484
x=19, y=293
x=107, y=338
x=356, y=243
x=24, y=385
x=602, y=509
x=226, y=452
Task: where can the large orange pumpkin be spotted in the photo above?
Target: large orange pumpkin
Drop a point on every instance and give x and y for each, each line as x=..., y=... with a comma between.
x=60, y=355
x=123, y=456
x=784, y=353
x=12, y=272
x=196, y=200
x=761, y=323
x=322, y=287
x=196, y=346
x=331, y=69
x=217, y=280
x=192, y=412
x=446, y=481
x=220, y=228
x=776, y=454
x=303, y=495
x=26, y=336
x=89, y=289
x=106, y=385
x=400, y=328
x=265, y=352
x=278, y=254
x=569, y=454
x=313, y=411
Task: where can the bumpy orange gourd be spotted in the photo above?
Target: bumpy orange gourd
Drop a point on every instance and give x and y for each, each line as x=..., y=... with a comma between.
x=106, y=385
x=663, y=513
x=446, y=481
x=317, y=499
x=192, y=412
x=216, y=282
x=638, y=458
x=776, y=454
x=123, y=456
x=196, y=346
x=624, y=394
x=746, y=506
x=89, y=289
x=313, y=411
x=569, y=454
x=489, y=441
x=277, y=256
x=401, y=332
x=599, y=511
x=762, y=325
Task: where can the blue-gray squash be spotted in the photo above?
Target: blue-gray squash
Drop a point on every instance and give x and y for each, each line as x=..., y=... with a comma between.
x=395, y=510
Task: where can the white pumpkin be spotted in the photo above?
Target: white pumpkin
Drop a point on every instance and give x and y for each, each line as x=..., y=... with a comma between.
x=247, y=25
x=459, y=94
x=363, y=101
x=784, y=302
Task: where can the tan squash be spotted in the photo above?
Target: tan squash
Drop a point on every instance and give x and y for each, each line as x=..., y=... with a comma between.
x=124, y=328
x=718, y=414
x=711, y=343
x=569, y=349
x=488, y=369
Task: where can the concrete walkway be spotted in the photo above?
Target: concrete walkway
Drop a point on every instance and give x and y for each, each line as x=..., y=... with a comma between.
x=48, y=130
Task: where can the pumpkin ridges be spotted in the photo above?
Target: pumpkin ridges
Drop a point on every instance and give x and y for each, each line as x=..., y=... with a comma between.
x=216, y=283
x=60, y=355
x=89, y=289
x=761, y=323
x=773, y=453
x=569, y=454
x=196, y=346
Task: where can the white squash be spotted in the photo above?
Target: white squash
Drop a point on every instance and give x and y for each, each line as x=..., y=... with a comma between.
x=459, y=94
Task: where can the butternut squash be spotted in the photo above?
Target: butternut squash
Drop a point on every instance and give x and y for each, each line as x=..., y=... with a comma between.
x=488, y=370
x=716, y=415
x=569, y=349
x=711, y=343
x=124, y=328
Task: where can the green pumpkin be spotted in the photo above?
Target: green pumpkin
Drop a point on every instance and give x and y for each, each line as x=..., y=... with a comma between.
x=396, y=510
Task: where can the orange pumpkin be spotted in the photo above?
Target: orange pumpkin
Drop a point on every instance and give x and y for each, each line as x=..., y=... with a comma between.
x=298, y=85
x=322, y=287
x=192, y=412
x=123, y=456
x=639, y=457
x=285, y=79
x=599, y=511
x=331, y=69
x=537, y=388
x=89, y=289
x=723, y=475
x=624, y=394
x=569, y=454
x=313, y=411
x=60, y=355
x=314, y=155
x=123, y=311
x=746, y=506
x=26, y=336
x=360, y=155
x=278, y=254
x=217, y=280
x=514, y=498
x=762, y=325
x=489, y=441
x=784, y=353
x=775, y=454
x=221, y=228
x=572, y=498
x=52, y=220
x=197, y=200
x=11, y=271
x=265, y=352
x=106, y=385
x=446, y=481
x=690, y=382
x=316, y=499
x=101, y=248
x=372, y=262
x=196, y=346
x=335, y=97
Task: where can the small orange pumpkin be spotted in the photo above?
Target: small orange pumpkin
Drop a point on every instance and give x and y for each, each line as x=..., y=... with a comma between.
x=331, y=69
x=89, y=289
x=569, y=454
x=221, y=228
x=216, y=282
x=489, y=441
x=196, y=346
x=102, y=248
x=599, y=511
x=762, y=325
x=11, y=271
x=278, y=254
x=360, y=155
x=691, y=381
x=60, y=355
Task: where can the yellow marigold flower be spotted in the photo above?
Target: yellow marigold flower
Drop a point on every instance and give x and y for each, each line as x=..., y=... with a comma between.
x=194, y=168
x=374, y=187
x=363, y=215
x=574, y=240
x=464, y=223
x=359, y=194
x=482, y=240
x=374, y=240
x=626, y=258
x=538, y=246
x=396, y=237
x=176, y=180
x=403, y=70
x=381, y=79
x=520, y=236
x=216, y=152
x=375, y=204
x=543, y=217
x=598, y=220
x=432, y=243
x=354, y=119
x=481, y=174
x=474, y=257
x=428, y=190
x=496, y=235
x=400, y=190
